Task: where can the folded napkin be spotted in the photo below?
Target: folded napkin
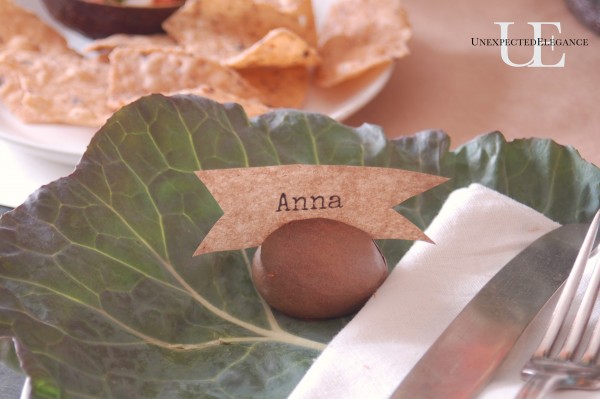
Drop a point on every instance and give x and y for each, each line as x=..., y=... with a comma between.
x=476, y=232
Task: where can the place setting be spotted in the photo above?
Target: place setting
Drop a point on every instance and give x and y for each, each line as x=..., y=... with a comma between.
x=186, y=213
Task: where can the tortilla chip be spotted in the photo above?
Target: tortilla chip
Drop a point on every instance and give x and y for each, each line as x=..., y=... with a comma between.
x=148, y=42
x=42, y=80
x=11, y=61
x=279, y=48
x=137, y=72
x=10, y=86
x=219, y=30
x=302, y=12
x=58, y=88
x=21, y=25
x=279, y=87
x=251, y=106
x=352, y=44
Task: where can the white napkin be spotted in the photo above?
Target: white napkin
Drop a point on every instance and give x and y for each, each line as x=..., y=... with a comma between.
x=476, y=232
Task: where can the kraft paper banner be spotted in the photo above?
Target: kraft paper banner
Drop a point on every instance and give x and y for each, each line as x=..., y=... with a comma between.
x=257, y=201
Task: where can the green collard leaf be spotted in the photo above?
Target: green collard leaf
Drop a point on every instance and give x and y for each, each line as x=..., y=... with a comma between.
x=98, y=286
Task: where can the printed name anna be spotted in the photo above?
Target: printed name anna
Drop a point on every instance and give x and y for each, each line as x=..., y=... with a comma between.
x=311, y=203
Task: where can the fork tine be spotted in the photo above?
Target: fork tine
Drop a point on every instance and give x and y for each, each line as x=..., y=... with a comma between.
x=566, y=297
x=591, y=352
x=582, y=318
x=547, y=372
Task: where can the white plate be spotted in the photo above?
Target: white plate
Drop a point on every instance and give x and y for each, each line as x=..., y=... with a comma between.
x=66, y=144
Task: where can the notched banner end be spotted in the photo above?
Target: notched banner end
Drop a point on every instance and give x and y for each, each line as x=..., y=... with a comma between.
x=427, y=239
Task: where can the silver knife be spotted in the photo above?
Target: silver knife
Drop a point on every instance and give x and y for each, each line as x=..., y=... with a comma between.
x=463, y=359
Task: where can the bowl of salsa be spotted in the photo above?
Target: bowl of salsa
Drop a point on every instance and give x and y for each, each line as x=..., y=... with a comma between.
x=102, y=18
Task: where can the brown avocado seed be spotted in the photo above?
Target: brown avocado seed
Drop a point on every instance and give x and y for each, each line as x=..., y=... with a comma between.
x=318, y=268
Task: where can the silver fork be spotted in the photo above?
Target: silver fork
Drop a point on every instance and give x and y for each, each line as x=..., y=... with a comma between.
x=574, y=364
